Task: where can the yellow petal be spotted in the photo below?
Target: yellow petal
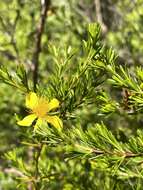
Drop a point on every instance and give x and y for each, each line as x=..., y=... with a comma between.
x=31, y=100
x=55, y=121
x=54, y=103
x=27, y=121
x=38, y=123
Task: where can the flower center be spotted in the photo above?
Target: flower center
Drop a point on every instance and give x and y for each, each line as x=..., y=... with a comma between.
x=41, y=108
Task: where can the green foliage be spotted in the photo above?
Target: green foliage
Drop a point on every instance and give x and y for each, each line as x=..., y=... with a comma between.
x=127, y=36
x=101, y=99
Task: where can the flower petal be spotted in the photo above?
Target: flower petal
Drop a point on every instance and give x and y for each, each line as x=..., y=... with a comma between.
x=31, y=100
x=27, y=121
x=38, y=123
x=55, y=121
x=54, y=103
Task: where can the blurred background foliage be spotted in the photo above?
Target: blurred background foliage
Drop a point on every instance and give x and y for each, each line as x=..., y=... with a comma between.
x=122, y=28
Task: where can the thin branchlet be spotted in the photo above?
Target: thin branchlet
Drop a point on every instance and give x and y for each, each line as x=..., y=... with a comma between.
x=40, y=29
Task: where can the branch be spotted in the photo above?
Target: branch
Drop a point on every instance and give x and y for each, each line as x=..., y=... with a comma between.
x=37, y=159
x=40, y=29
x=99, y=18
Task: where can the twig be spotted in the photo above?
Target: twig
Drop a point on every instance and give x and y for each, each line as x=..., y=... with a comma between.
x=99, y=15
x=120, y=154
x=40, y=29
x=14, y=171
x=37, y=166
x=13, y=42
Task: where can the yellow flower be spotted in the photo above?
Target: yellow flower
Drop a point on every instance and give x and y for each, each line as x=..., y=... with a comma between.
x=39, y=108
